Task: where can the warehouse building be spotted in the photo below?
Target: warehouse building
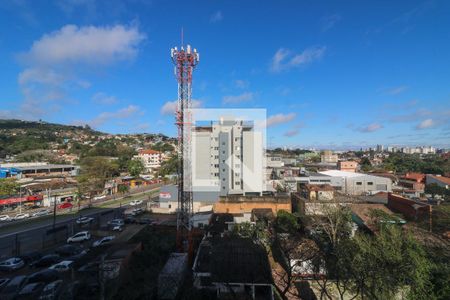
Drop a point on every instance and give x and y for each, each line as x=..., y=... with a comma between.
x=353, y=183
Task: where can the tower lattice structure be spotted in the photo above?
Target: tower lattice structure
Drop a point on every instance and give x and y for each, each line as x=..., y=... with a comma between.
x=185, y=61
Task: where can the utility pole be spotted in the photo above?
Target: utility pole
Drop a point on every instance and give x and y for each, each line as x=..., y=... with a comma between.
x=54, y=209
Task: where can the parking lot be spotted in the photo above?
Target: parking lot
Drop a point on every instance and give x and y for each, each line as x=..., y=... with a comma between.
x=85, y=256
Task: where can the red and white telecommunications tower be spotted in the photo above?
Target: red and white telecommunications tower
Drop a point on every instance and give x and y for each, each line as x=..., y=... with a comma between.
x=185, y=61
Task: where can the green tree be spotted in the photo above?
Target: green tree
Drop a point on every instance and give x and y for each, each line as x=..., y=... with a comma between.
x=94, y=173
x=434, y=189
x=8, y=186
x=286, y=222
x=389, y=263
x=135, y=167
x=123, y=188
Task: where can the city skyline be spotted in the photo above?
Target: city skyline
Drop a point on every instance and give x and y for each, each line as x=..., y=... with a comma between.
x=327, y=77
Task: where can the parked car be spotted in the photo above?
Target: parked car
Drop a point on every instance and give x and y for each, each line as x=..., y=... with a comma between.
x=79, y=237
x=5, y=218
x=103, y=241
x=129, y=219
x=84, y=220
x=30, y=257
x=89, y=268
x=68, y=250
x=45, y=275
x=62, y=266
x=12, y=264
x=136, y=202
x=65, y=205
x=51, y=291
x=21, y=216
x=137, y=211
x=116, y=222
x=46, y=261
x=40, y=213
x=13, y=287
x=30, y=291
x=118, y=228
x=3, y=283
x=99, y=197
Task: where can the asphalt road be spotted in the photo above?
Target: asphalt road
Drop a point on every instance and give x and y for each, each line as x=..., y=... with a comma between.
x=46, y=221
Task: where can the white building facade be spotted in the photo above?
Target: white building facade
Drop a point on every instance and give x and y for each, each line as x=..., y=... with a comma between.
x=228, y=157
x=151, y=159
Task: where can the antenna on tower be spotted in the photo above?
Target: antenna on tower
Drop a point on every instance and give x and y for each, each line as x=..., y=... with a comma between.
x=182, y=36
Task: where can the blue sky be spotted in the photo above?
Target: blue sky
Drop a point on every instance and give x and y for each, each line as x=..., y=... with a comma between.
x=331, y=74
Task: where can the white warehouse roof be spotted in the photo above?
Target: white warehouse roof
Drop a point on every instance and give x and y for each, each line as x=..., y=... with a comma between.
x=337, y=173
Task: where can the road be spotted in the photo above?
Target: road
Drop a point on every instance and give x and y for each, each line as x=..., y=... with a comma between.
x=70, y=215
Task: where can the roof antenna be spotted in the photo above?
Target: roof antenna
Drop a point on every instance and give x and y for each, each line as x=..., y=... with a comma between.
x=182, y=35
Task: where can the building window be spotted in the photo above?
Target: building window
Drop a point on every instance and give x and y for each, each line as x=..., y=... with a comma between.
x=359, y=183
x=223, y=179
x=370, y=183
x=223, y=143
x=237, y=183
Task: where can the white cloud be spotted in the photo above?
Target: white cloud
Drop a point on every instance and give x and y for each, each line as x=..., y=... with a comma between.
x=124, y=113
x=284, y=59
x=88, y=45
x=216, y=17
x=395, y=90
x=279, y=119
x=241, y=84
x=295, y=130
x=55, y=62
x=170, y=107
x=330, y=21
x=425, y=124
x=244, y=97
x=370, y=128
x=102, y=98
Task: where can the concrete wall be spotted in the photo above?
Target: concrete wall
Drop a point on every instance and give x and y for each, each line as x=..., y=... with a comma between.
x=247, y=207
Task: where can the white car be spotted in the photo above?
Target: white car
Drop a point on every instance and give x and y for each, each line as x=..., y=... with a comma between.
x=21, y=216
x=84, y=220
x=103, y=241
x=99, y=197
x=136, y=202
x=62, y=266
x=5, y=218
x=40, y=213
x=11, y=264
x=79, y=237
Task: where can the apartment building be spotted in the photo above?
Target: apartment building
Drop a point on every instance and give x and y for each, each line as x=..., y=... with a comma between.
x=228, y=157
x=151, y=159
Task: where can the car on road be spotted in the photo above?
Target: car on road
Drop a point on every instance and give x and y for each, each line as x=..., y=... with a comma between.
x=115, y=222
x=13, y=287
x=30, y=291
x=5, y=218
x=136, y=202
x=40, y=213
x=99, y=197
x=21, y=216
x=46, y=276
x=84, y=220
x=103, y=241
x=62, y=266
x=12, y=264
x=51, y=291
x=65, y=205
x=79, y=237
x=46, y=261
x=137, y=211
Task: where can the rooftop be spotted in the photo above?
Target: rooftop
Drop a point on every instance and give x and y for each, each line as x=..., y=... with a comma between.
x=233, y=260
x=337, y=173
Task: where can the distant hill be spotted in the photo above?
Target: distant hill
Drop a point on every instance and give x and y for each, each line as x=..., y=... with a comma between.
x=43, y=126
x=17, y=136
